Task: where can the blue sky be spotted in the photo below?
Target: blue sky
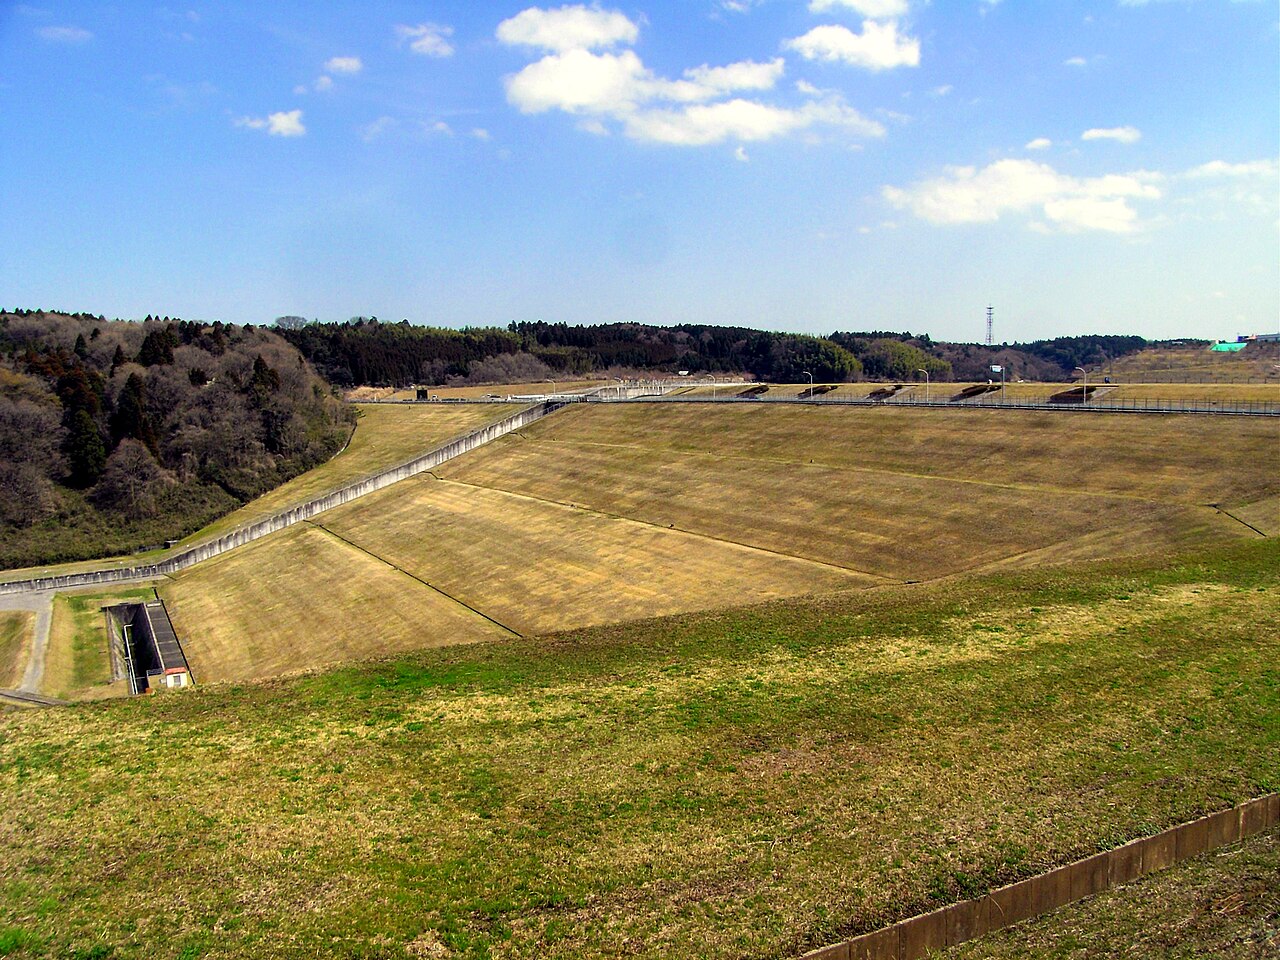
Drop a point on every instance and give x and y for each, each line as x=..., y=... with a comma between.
x=809, y=165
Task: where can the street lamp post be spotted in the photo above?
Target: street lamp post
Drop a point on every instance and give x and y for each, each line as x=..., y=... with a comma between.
x=553, y=385
x=1084, y=389
x=810, y=376
x=926, y=382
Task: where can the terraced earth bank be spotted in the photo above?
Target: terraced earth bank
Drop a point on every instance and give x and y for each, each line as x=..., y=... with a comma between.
x=607, y=513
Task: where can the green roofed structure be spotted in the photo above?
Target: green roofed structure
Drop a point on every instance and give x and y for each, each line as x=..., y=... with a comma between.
x=1228, y=347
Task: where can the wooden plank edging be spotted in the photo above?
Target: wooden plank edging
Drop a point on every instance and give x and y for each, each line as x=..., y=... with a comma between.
x=916, y=937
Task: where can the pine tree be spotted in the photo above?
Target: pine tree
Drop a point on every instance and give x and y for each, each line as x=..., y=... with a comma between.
x=81, y=349
x=86, y=453
x=130, y=418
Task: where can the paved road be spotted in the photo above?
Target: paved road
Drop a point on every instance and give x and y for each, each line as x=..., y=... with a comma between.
x=41, y=604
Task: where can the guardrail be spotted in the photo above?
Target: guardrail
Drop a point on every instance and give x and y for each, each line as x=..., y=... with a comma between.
x=286, y=518
x=1245, y=408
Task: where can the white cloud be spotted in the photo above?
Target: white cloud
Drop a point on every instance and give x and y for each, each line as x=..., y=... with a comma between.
x=1118, y=134
x=873, y=9
x=745, y=75
x=1075, y=62
x=741, y=155
x=1220, y=168
x=942, y=91
x=742, y=120
x=579, y=81
x=343, y=65
x=480, y=133
x=698, y=109
x=324, y=83
x=878, y=47
x=70, y=35
x=568, y=28
x=276, y=124
x=1039, y=143
x=969, y=195
x=428, y=39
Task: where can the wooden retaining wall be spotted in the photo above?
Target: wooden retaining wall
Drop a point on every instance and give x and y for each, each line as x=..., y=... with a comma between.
x=287, y=518
x=917, y=936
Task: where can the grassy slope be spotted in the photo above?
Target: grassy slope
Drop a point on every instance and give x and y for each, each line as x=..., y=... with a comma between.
x=1225, y=904
x=302, y=598
x=538, y=567
x=386, y=435
x=893, y=494
x=746, y=783
x=16, y=628
x=901, y=493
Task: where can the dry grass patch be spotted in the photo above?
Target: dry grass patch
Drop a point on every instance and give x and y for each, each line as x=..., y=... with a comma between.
x=885, y=524
x=386, y=435
x=538, y=567
x=302, y=598
x=1187, y=459
x=16, y=629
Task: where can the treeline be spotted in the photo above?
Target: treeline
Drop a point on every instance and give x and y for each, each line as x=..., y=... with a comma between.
x=366, y=352
x=115, y=434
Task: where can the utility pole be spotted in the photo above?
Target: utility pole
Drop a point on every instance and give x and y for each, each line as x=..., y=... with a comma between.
x=991, y=321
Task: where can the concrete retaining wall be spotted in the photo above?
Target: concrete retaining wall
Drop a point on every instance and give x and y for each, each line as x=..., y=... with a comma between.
x=916, y=937
x=287, y=518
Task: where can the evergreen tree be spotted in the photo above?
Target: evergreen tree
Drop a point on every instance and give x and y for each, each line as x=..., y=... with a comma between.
x=130, y=418
x=81, y=349
x=86, y=453
x=157, y=348
x=117, y=360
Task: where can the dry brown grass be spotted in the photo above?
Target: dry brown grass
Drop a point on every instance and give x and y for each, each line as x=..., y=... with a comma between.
x=16, y=630
x=538, y=567
x=386, y=435
x=302, y=598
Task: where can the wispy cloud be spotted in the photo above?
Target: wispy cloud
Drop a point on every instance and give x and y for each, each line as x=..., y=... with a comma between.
x=343, y=65
x=427, y=39
x=68, y=35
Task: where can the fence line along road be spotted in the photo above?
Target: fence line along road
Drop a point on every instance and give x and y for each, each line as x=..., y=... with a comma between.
x=1234, y=408
x=286, y=518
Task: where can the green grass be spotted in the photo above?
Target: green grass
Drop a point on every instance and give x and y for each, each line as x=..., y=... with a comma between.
x=78, y=660
x=1225, y=904
x=747, y=783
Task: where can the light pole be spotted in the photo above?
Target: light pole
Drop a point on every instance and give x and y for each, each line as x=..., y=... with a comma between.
x=1084, y=390
x=926, y=382
x=553, y=385
x=810, y=376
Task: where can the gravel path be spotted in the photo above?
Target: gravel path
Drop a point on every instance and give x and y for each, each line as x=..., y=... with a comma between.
x=42, y=605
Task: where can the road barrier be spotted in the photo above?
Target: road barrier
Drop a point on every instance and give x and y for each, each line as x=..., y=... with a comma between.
x=287, y=518
x=1235, y=408
x=921, y=935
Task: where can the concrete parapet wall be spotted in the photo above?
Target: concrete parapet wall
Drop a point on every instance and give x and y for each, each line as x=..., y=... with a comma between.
x=237, y=538
x=916, y=937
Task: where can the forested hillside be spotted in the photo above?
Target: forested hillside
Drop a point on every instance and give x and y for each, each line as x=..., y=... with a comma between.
x=116, y=435
x=366, y=352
